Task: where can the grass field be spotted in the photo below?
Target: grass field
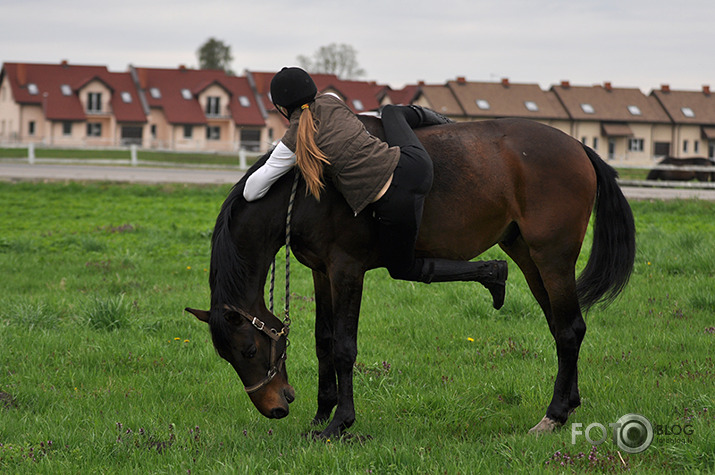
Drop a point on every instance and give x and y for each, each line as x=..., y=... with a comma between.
x=101, y=371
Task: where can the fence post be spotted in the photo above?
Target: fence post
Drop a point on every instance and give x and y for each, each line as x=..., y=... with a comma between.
x=133, y=152
x=242, y=159
x=31, y=153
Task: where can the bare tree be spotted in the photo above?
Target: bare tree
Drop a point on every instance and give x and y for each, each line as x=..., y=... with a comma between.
x=215, y=54
x=338, y=59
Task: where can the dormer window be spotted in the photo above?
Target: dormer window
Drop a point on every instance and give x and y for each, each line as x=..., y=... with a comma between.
x=126, y=97
x=66, y=90
x=634, y=110
x=588, y=108
x=155, y=93
x=357, y=103
x=94, y=102
x=244, y=101
x=688, y=112
x=531, y=106
x=483, y=104
x=32, y=89
x=213, y=105
x=186, y=94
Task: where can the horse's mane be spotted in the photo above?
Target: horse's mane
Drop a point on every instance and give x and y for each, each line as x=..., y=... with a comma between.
x=228, y=269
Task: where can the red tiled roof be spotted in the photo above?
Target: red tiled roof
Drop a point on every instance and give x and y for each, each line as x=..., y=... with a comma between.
x=608, y=103
x=687, y=107
x=51, y=79
x=179, y=110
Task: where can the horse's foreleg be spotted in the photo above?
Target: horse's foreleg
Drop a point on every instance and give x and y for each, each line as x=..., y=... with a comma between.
x=346, y=286
x=327, y=384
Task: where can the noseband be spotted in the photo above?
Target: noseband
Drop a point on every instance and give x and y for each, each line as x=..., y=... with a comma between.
x=276, y=362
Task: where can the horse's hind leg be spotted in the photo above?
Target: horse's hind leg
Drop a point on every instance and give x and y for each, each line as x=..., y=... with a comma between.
x=327, y=382
x=563, y=291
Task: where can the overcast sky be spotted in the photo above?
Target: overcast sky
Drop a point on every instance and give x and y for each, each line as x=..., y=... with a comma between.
x=631, y=43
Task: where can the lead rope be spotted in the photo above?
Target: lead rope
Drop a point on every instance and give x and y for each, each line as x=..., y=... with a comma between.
x=286, y=320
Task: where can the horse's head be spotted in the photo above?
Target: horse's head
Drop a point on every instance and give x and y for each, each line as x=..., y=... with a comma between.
x=256, y=348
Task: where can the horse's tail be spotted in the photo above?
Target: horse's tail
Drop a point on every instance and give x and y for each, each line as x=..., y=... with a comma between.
x=614, y=240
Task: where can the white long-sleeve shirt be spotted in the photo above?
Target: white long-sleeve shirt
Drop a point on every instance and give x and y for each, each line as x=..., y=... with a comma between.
x=281, y=160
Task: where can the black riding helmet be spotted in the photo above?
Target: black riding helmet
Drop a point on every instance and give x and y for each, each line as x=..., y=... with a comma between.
x=291, y=88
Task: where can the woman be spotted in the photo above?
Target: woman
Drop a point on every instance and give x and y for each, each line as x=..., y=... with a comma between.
x=325, y=137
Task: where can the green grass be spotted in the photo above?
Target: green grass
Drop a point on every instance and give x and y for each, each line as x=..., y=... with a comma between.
x=102, y=371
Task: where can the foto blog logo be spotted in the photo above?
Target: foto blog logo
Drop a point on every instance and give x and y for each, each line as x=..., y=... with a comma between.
x=632, y=433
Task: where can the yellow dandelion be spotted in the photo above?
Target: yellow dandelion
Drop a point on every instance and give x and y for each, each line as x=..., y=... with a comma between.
x=470, y=339
x=186, y=341
x=177, y=339
x=648, y=262
x=188, y=267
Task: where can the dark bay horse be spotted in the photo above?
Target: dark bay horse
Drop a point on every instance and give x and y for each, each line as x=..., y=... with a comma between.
x=684, y=175
x=522, y=185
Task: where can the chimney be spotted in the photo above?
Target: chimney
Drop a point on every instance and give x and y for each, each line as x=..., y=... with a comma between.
x=182, y=68
x=142, y=73
x=665, y=88
x=65, y=64
x=607, y=86
x=706, y=90
x=505, y=82
x=21, y=75
x=565, y=84
x=461, y=80
x=420, y=82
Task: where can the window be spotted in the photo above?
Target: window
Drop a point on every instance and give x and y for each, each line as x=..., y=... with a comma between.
x=531, y=106
x=583, y=140
x=244, y=101
x=634, y=110
x=635, y=145
x=126, y=97
x=66, y=90
x=32, y=89
x=94, y=129
x=94, y=102
x=188, y=131
x=213, y=105
x=595, y=143
x=31, y=127
x=685, y=145
x=357, y=103
x=153, y=131
x=483, y=104
x=186, y=94
x=687, y=112
x=66, y=128
x=213, y=132
x=588, y=108
x=696, y=146
x=155, y=92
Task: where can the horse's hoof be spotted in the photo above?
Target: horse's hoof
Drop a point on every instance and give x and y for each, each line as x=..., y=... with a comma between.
x=545, y=426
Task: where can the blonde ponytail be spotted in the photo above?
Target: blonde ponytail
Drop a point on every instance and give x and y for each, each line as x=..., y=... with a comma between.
x=308, y=155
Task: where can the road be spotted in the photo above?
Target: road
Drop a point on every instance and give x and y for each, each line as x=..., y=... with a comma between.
x=13, y=171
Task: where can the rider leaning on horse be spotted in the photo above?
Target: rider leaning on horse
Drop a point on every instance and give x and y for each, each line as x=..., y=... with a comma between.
x=390, y=179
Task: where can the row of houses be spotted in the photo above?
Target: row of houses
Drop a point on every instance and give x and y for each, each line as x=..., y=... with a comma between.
x=189, y=109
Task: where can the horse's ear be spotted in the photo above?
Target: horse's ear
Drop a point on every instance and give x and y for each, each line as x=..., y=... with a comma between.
x=202, y=315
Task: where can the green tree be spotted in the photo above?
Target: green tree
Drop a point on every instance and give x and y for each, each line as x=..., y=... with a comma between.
x=215, y=54
x=338, y=59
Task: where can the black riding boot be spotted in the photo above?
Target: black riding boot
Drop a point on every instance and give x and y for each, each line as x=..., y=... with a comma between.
x=491, y=274
x=429, y=117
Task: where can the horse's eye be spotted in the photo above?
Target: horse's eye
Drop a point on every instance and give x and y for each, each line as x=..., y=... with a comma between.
x=249, y=352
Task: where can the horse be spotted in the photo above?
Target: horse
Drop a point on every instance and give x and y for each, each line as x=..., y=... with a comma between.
x=522, y=185
x=683, y=175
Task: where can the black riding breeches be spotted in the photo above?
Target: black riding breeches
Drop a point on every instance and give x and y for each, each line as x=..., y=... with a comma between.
x=399, y=210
